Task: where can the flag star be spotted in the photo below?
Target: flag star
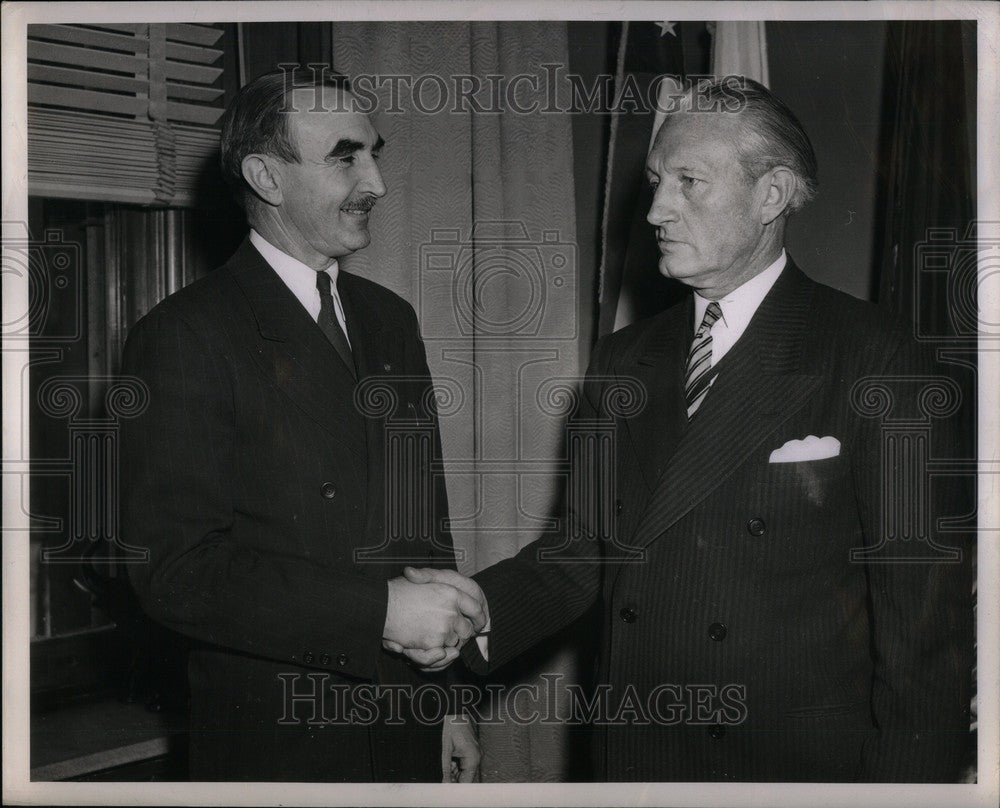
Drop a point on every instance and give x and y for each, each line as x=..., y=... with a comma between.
x=667, y=28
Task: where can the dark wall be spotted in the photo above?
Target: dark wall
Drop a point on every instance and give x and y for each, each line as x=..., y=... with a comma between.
x=830, y=74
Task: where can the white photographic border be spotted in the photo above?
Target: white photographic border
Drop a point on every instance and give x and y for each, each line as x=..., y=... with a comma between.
x=17, y=788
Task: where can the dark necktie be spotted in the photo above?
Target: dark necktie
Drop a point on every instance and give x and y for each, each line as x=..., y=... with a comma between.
x=328, y=322
x=698, y=376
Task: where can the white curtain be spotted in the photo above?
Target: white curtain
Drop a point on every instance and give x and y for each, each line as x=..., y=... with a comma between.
x=478, y=232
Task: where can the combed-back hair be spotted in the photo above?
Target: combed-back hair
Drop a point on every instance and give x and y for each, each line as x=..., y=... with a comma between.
x=770, y=134
x=256, y=122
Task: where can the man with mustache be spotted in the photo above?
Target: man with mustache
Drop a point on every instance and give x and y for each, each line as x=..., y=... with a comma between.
x=779, y=599
x=256, y=477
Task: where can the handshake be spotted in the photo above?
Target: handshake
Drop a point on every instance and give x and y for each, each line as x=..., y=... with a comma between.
x=432, y=613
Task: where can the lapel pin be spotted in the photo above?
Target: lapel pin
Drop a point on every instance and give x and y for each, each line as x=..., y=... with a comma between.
x=386, y=367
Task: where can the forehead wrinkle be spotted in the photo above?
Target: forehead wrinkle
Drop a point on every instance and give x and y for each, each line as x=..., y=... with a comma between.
x=313, y=132
x=692, y=145
x=678, y=162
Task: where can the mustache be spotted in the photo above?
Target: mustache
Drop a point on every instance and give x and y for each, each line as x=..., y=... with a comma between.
x=364, y=204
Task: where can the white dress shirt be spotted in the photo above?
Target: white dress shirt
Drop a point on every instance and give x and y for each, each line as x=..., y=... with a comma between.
x=738, y=307
x=301, y=279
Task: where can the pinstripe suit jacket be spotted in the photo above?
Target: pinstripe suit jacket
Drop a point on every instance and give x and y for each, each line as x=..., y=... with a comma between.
x=741, y=639
x=254, y=478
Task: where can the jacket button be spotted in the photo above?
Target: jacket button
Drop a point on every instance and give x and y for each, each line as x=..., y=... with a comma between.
x=717, y=631
x=755, y=527
x=343, y=659
x=628, y=615
x=329, y=490
x=308, y=657
x=324, y=659
x=716, y=731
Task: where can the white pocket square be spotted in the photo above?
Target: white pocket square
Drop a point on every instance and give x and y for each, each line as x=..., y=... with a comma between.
x=808, y=448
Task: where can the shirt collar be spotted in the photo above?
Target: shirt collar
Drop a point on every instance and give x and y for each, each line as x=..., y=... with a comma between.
x=299, y=277
x=740, y=305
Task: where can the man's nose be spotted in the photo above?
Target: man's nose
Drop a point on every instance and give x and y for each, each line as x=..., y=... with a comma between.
x=372, y=183
x=662, y=209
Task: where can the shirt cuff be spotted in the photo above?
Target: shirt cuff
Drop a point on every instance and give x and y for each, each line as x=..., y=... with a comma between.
x=483, y=640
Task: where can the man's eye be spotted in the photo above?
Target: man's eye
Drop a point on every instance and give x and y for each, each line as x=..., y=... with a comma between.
x=347, y=160
x=653, y=183
x=688, y=181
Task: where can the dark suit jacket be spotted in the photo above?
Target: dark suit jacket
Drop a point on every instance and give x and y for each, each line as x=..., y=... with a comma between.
x=735, y=616
x=254, y=477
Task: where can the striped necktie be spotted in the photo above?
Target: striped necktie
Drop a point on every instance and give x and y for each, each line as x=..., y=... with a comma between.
x=698, y=376
x=328, y=322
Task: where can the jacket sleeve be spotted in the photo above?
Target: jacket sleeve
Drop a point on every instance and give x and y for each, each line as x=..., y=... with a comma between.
x=177, y=460
x=921, y=612
x=552, y=581
x=442, y=545
x=442, y=552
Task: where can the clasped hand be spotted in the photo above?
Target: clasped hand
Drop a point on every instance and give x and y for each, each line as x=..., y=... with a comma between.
x=432, y=613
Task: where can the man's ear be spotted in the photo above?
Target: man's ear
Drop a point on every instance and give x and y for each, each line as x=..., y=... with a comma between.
x=777, y=185
x=263, y=176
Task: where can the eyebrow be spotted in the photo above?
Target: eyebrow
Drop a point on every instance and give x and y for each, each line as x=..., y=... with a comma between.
x=346, y=146
x=679, y=168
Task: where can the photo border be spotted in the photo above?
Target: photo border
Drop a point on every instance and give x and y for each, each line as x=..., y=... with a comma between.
x=17, y=788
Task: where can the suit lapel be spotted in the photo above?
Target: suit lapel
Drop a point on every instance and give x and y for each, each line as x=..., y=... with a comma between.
x=292, y=351
x=365, y=328
x=759, y=385
x=377, y=345
x=659, y=367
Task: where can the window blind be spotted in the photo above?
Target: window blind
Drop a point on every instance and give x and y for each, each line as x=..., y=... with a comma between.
x=123, y=112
